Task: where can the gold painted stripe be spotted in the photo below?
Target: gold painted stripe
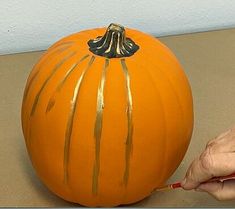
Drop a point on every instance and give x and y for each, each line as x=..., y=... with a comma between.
x=98, y=127
x=38, y=66
x=58, y=50
x=54, y=70
x=129, y=122
x=51, y=102
x=29, y=85
x=60, y=44
x=28, y=139
x=70, y=121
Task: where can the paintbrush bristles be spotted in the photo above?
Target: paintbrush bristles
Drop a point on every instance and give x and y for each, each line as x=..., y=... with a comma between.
x=165, y=188
x=168, y=187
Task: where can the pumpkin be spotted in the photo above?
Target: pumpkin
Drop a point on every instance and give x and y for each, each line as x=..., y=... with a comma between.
x=107, y=116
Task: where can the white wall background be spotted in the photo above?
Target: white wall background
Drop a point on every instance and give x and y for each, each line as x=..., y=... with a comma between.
x=28, y=25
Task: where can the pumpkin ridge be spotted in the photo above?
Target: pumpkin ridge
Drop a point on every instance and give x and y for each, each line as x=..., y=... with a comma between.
x=58, y=49
x=29, y=85
x=163, y=111
x=171, y=84
x=24, y=98
x=54, y=70
x=59, y=44
x=69, y=127
x=173, y=90
x=98, y=127
x=129, y=122
x=51, y=101
x=38, y=67
x=38, y=95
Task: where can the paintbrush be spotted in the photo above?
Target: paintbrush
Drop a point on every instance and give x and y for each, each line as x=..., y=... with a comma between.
x=178, y=184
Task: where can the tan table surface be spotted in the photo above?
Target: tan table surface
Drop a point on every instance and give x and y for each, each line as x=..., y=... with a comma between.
x=209, y=62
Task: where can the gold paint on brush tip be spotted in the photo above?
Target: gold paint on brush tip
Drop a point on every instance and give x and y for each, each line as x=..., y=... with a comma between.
x=98, y=128
x=69, y=127
x=51, y=102
x=129, y=122
x=54, y=70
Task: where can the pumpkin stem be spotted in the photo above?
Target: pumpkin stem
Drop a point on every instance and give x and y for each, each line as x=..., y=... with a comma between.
x=113, y=44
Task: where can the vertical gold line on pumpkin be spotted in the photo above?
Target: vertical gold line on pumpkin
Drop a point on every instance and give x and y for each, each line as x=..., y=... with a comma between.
x=27, y=139
x=58, y=49
x=54, y=70
x=29, y=85
x=69, y=127
x=55, y=50
x=51, y=102
x=98, y=127
x=129, y=122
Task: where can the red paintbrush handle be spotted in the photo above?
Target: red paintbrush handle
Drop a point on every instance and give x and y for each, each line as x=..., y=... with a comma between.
x=220, y=178
x=175, y=185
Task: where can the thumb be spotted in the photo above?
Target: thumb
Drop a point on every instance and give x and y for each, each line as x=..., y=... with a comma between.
x=220, y=190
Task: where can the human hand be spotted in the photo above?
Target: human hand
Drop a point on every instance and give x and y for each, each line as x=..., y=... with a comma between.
x=218, y=159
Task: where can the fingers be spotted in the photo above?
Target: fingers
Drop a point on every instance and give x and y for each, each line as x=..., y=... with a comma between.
x=219, y=137
x=216, y=160
x=225, y=142
x=208, y=165
x=220, y=190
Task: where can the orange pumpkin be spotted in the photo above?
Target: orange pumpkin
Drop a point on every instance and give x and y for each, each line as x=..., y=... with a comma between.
x=107, y=116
